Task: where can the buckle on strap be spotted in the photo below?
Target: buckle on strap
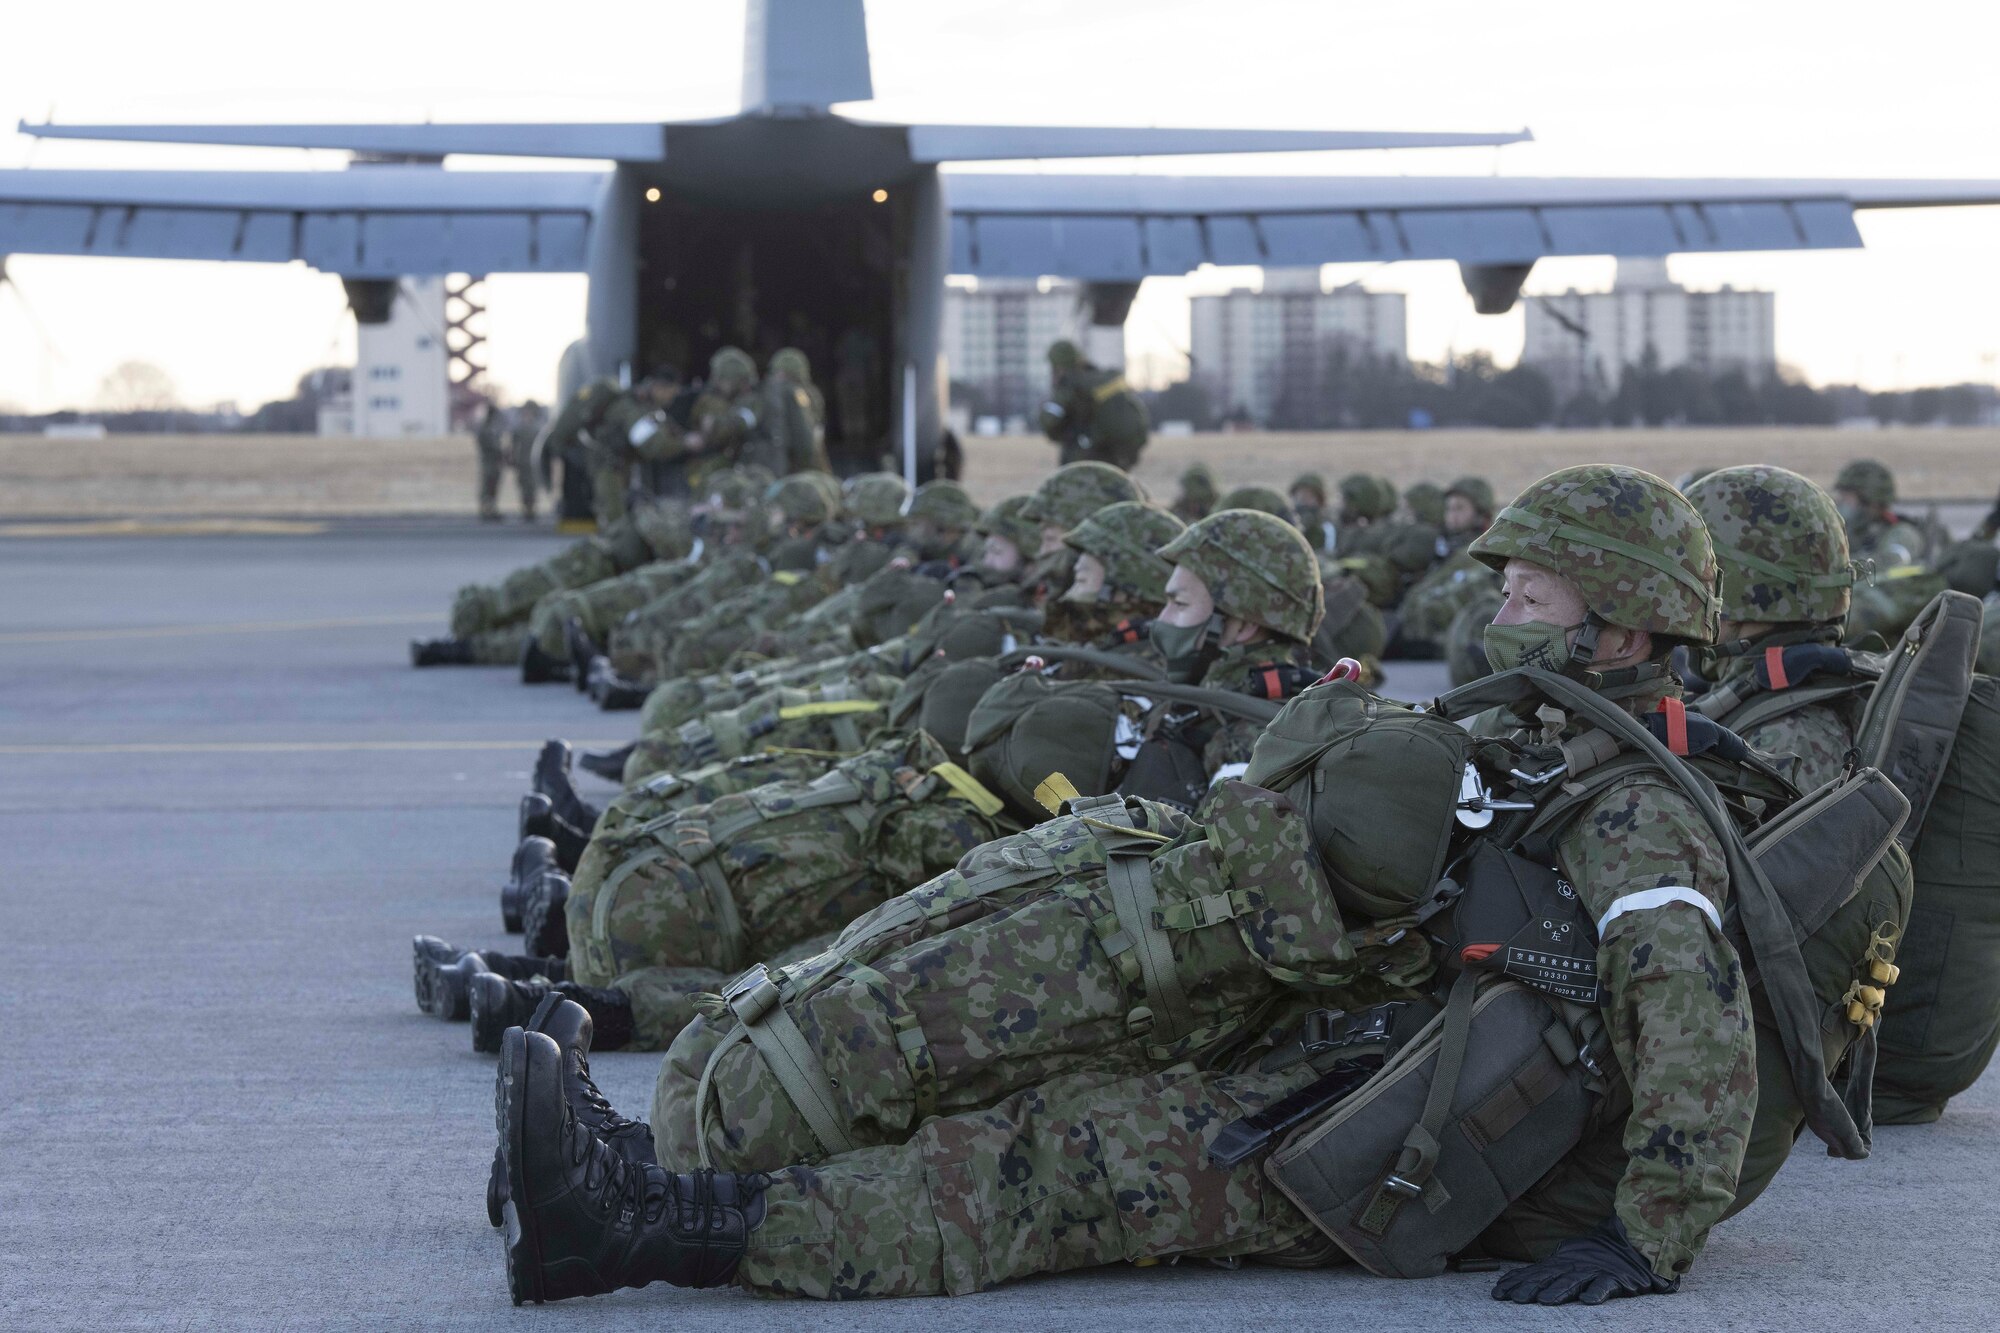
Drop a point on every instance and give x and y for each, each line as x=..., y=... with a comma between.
x=752, y=995
x=1334, y=1029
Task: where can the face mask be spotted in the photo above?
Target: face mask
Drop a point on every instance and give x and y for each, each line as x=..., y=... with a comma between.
x=1849, y=514
x=1187, y=648
x=1535, y=643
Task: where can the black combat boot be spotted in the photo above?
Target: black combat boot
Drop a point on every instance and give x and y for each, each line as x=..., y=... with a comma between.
x=612, y=692
x=498, y=1003
x=608, y=764
x=538, y=668
x=532, y=856
x=538, y=819
x=552, y=780
x=582, y=648
x=440, y=652
x=444, y=974
x=580, y=1220
x=544, y=914
x=570, y=1026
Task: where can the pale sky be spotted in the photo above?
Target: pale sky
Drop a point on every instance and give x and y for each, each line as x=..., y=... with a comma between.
x=1700, y=88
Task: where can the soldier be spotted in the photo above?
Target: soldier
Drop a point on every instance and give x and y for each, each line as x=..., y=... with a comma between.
x=1120, y=577
x=632, y=426
x=1458, y=580
x=1425, y=502
x=1364, y=507
x=939, y=526
x=1091, y=413
x=792, y=417
x=1263, y=499
x=974, y=1141
x=491, y=440
x=1865, y=491
x=1308, y=492
x=1198, y=491
x=522, y=432
x=1071, y=494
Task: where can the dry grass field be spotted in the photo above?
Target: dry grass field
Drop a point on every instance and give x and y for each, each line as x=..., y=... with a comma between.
x=292, y=475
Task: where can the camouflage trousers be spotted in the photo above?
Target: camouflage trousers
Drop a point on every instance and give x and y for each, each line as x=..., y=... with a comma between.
x=483, y=606
x=600, y=606
x=1087, y=1169
x=834, y=719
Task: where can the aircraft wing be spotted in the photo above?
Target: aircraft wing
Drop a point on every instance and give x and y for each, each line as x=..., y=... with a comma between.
x=1122, y=228
x=364, y=222
x=993, y=143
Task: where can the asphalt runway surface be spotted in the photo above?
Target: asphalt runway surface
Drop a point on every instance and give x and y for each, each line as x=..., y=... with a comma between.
x=227, y=803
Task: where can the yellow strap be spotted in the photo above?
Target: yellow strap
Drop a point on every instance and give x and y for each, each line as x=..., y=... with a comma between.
x=1904, y=571
x=1111, y=388
x=1054, y=790
x=830, y=708
x=969, y=789
x=785, y=578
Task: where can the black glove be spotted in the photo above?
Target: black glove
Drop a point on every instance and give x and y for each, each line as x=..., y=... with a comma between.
x=1592, y=1269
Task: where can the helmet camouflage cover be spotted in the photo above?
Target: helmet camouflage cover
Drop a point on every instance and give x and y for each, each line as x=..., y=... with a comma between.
x=1477, y=491
x=1064, y=354
x=944, y=503
x=802, y=498
x=1262, y=499
x=1870, y=480
x=1005, y=520
x=1633, y=546
x=731, y=366
x=734, y=491
x=1780, y=543
x=1074, y=492
x=1198, y=481
x=1426, y=502
x=876, y=499
x=792, y=362
x=1362, y=496
x=1257, y=568
x=1126, y=539
x=1311, y=481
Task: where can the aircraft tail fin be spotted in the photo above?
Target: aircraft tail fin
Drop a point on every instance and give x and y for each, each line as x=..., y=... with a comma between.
x=805, y=54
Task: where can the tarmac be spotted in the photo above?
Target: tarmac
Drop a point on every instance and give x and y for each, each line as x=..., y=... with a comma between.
x=227, y=802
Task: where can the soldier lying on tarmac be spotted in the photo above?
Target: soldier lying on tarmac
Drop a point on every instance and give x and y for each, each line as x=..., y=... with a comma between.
x=1125, y=1035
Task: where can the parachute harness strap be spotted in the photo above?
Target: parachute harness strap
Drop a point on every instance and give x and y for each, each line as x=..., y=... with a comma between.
x=758, y=1003
x=1128, y=874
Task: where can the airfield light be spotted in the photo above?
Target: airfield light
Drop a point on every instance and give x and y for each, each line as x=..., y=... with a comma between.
x=653, y=194
x=881, y=196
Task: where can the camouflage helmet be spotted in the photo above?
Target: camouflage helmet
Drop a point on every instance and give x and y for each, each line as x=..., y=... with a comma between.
x=1425, y=501
x=1064, y=354
x=801, y=498
x=1870, y=480
x=1004, y=520
x=1074, y=492
x=1779, y=541
x=1632, y=545
x=829, y=486
x=876, y=499
x=734, y=492
x=792, y=362
x=1198, y=481
x=944, y=503
x=1310, y=481
x=1126, y=539
x=1257, y=568
x=731, y=366
x=1476, y=491
x=1361, y=496
x=1262, y=499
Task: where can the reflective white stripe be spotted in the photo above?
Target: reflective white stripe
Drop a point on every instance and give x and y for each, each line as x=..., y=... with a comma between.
x=1650, y=898
x=1228, y=773
x=644, y=429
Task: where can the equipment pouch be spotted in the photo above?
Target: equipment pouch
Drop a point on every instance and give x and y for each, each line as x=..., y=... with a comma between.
x=1411, y=1168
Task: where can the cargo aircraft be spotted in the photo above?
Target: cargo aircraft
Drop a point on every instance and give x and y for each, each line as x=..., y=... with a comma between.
x=789, y=222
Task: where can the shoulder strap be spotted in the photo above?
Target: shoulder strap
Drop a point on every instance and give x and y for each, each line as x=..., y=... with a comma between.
x=1205, y=696
x=1129, y=877
x=761, y=1020
x=1743, y=714
x=1097, y=657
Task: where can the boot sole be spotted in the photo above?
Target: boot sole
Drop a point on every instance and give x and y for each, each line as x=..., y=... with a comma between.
x=522, y=1245
x=441, y=992
x=497, y=1192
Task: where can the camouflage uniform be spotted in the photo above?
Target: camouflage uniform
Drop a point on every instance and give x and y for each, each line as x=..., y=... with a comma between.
x=1197, y=494
x=791, y=417
x=724, y=418
x=1308, y=497
x=1091, y=413
x=525, y=428
x=491, y=440
x=796, y=864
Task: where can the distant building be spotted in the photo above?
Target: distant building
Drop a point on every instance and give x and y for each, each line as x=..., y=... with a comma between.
x=1586, y=339
x=1254, y=351
x=399, y=385
x=996, y=340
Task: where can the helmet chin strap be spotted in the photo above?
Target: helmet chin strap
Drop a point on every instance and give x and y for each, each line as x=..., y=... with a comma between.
x=1584, y=651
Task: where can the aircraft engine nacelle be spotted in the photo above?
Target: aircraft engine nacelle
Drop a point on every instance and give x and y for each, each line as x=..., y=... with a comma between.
x=1494, y=287
x=371, y=299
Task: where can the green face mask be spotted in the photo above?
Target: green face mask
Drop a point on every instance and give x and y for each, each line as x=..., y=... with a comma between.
x=1535, y=643
x=1187, y=648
